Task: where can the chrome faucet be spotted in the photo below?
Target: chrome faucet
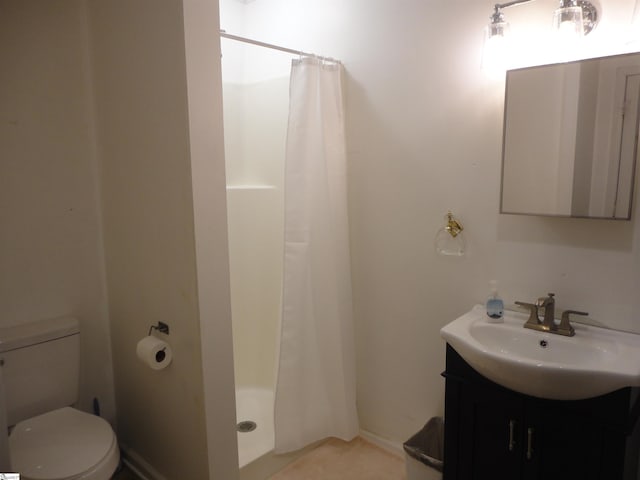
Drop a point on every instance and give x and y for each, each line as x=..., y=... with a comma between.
x=548, y=323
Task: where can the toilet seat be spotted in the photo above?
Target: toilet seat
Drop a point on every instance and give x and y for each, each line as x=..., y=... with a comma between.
x=64, y=444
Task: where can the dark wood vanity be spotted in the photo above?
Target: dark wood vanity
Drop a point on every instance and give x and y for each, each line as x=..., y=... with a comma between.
x=493, y=433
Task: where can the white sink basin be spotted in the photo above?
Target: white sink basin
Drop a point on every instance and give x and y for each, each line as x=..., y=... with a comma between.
x=593, y=362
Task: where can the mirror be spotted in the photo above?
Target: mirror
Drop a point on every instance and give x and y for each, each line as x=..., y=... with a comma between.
x=570, y=138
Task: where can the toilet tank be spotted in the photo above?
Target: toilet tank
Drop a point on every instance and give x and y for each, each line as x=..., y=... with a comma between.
x=40, y=366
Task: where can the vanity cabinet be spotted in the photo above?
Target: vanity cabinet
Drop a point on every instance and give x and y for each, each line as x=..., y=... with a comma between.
x=492, y=433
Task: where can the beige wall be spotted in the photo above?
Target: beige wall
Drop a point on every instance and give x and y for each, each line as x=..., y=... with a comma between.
x=132, y=84
x=204, y=84
x=138, y=52
x=51, y=261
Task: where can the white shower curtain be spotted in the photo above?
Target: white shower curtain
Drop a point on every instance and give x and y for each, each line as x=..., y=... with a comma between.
x=315, y=392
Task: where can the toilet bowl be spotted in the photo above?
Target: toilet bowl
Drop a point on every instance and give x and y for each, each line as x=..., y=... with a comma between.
x=63, y=444
x=49, y=439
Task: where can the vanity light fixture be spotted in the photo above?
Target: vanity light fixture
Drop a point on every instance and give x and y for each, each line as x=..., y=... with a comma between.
x=495, y=45
x=572, y=19
x=575, y=18
x=498, y=27
x=495, y=41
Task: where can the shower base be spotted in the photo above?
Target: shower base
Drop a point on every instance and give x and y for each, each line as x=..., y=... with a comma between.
x=255, y=448
x=254, y=405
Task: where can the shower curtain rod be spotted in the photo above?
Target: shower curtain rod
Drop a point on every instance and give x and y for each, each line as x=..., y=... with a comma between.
x=224, y=34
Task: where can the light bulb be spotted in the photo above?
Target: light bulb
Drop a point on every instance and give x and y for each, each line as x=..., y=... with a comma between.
x=495, y=55
x=569, y=23
x=494, y=60
x=569, y=28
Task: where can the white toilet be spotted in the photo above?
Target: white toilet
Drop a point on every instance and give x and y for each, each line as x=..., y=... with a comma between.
x=39, y=379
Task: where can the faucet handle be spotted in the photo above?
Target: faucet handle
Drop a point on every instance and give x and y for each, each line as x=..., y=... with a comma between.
x=565, y=327
x=542, y=301
x=533, y=312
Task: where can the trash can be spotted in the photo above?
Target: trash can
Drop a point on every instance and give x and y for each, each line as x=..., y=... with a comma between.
x=424, y=452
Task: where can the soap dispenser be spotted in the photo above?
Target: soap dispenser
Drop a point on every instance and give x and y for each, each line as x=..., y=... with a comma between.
x=495, y=306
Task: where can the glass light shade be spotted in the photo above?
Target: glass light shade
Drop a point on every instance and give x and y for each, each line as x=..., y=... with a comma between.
x=495, y=55
x=568, y=22
x=449, y=239
x=448, y=245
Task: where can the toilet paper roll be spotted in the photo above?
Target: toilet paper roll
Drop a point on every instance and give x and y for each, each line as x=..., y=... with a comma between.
x=154, y=352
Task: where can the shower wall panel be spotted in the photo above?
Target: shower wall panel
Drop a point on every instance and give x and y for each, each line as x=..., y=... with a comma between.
x=255, y=250
x=255, y=134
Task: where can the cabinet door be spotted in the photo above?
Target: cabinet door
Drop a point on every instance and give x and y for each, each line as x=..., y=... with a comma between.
x=491, y=427
x=566, y=444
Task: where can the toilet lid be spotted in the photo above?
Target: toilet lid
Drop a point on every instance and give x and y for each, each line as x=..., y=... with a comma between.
x=59, y=444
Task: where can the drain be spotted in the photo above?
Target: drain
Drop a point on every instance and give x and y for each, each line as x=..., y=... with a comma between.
x=246, y=426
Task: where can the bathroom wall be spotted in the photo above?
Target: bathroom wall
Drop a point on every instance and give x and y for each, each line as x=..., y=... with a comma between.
x=424, y=129
x=156, y=127
x=136, y=86
x=206, y=125
x=51, y=260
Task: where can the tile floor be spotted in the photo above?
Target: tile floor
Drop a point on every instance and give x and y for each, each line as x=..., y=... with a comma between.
x=338, y=460
x=334, y=460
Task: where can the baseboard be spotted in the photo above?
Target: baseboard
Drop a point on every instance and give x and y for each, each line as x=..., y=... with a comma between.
x=138, y=465
x=388, y=445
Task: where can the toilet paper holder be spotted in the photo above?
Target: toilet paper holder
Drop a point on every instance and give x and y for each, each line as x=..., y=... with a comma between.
x=161, y=327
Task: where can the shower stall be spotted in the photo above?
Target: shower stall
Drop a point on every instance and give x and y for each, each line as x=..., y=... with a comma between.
x=255, y=93
x=288, y=248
